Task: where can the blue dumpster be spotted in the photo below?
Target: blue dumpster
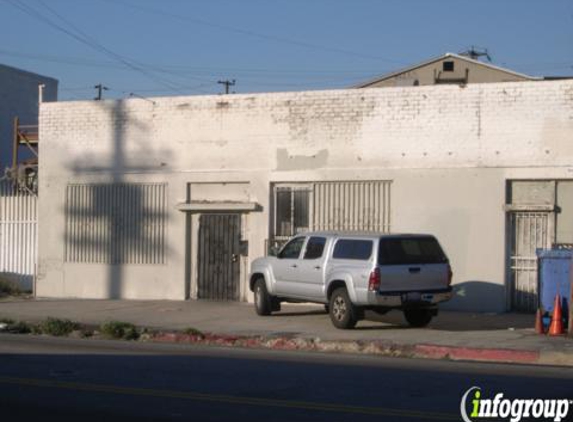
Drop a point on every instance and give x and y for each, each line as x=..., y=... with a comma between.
x=554, y=278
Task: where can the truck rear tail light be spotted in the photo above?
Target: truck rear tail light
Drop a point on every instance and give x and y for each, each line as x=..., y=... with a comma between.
x=374, y=280
x=450, y=275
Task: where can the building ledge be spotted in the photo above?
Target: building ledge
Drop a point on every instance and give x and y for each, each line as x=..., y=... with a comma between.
x=203, y=206
x=529, y=207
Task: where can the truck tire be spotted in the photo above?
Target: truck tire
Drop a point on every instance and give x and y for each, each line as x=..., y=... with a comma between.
x=263, y=304
x=418, y=317
x=343, y=313
x=275, y=304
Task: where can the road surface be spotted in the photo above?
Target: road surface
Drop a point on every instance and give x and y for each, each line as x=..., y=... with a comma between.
x=43, y=378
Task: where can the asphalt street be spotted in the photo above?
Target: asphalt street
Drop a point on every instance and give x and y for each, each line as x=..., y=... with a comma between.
x=43, y=378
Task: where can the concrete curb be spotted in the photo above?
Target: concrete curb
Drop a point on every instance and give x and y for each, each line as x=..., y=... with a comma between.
x=381, y=348
x=431, y=351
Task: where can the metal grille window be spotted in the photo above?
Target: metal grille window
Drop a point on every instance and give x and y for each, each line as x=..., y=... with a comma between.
x=120, y=223
x=354, y=206
x=292, y=211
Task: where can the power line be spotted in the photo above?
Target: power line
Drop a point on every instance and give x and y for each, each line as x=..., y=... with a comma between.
x=251, y=33
x=189, y=71
x=128, y=62
x=87, y=40
x=289, y=78
x=76, y=61
x=179, y=69
x=75, y=89
x=100, y=64
x=126, y=90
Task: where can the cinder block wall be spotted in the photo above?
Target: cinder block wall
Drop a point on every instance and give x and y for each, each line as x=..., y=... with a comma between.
x=448, y=150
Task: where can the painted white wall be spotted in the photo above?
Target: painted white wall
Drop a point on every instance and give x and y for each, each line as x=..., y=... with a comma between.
x=448, y=150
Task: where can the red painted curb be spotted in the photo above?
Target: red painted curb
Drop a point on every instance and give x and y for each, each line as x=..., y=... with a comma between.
x=467, y=353
x=427, y=351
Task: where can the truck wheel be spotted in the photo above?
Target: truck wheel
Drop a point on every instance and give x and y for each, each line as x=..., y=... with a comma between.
x=418, y=317
x=343, y=313
x=263, y=304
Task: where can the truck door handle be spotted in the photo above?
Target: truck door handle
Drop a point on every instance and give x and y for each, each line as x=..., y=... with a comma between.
x=294, y=266
x=317, y=267
x=414, y=270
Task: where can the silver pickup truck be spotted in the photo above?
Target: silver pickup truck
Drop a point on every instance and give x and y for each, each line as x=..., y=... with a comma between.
x=353, y=272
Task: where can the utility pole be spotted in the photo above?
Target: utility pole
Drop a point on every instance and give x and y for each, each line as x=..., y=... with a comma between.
x=227, y=84
x=100, y=88
x=133, y=94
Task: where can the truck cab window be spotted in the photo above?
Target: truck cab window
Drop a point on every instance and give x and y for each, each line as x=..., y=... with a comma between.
x=292, y=249
x=314, y=248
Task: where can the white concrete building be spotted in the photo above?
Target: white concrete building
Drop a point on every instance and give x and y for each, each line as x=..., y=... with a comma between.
x=19, y=98
x=172, y=198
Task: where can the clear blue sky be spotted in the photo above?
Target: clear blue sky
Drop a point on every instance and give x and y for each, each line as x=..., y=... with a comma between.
x=183, y=47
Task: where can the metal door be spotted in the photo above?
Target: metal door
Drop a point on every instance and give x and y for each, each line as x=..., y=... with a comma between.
x=528, y=231
x=219, y=257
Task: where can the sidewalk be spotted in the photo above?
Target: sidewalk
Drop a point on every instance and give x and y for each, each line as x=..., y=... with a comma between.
x=452, y=335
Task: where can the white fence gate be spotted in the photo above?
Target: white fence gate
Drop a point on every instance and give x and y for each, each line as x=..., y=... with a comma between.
x=18, y=236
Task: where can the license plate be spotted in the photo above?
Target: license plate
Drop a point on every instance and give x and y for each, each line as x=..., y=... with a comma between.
x=412, y=297
x=417, y=297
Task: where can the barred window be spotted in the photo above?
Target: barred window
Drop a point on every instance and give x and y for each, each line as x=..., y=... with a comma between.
x=292, y=210
x=119, y=223
x=328, y=206
x=340, y=205
x=354, y=206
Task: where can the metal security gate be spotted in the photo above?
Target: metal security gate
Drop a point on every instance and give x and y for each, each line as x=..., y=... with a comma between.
x=357, y=206
x=529, y=231
x=219, y=251
x=329, y=205
x=18, y=235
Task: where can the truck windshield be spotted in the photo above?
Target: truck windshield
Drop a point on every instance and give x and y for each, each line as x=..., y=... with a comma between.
x=410, y=250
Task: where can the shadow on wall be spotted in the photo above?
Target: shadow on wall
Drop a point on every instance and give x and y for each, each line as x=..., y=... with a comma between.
x=118, y=222
x=477, y=296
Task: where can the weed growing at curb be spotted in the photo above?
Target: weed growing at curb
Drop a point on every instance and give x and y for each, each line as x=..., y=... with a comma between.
x=120, y=330
x=58, y=327
x=7, y=288
x=20, y=327
x=194, y=332
x=16, y=327
x=85, y=332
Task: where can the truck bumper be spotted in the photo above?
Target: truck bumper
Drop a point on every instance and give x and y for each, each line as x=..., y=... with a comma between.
x=409, y=299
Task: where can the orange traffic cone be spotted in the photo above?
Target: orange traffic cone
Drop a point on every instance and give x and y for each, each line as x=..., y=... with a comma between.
x=556, y=327
x=539, y=322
